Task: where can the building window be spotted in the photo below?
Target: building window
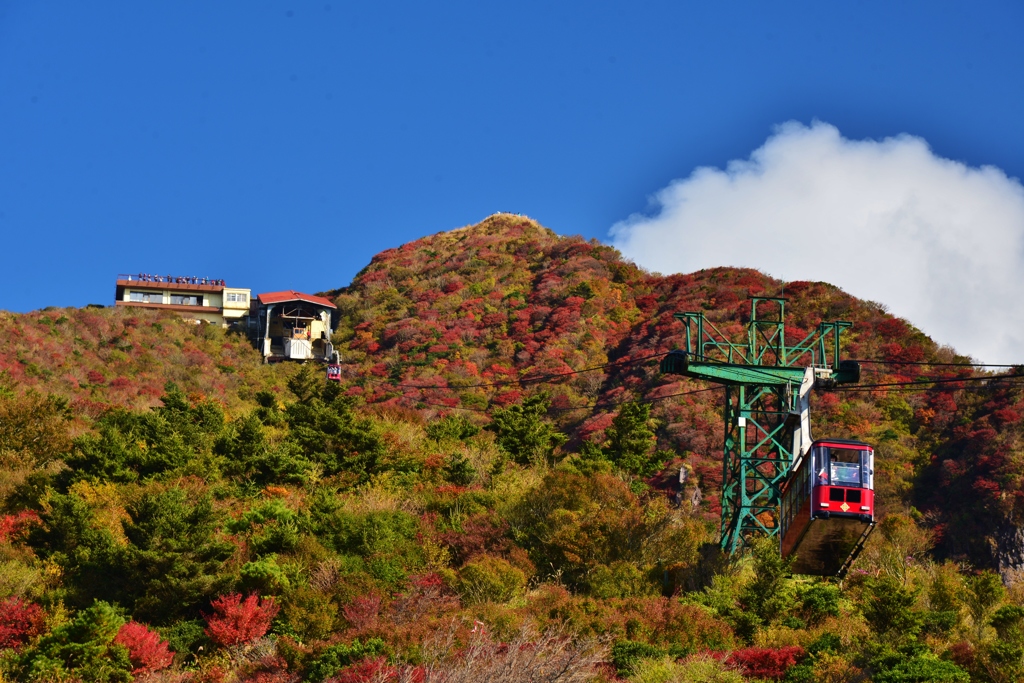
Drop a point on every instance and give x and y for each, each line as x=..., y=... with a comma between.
x=148, y=297
x=186, y=300
x=237, y=296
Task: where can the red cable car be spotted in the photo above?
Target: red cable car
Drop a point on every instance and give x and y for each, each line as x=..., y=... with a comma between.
x=828, y=507
x=844, y=479
x=334, y=372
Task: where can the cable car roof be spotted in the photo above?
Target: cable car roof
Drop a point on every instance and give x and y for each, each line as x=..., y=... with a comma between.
x=841, y=442
x=291, y=295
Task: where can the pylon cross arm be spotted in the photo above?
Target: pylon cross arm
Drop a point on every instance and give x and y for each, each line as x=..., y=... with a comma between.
x=682, y=363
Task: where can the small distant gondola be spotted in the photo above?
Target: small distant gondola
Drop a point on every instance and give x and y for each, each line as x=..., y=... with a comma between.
x=828, y=507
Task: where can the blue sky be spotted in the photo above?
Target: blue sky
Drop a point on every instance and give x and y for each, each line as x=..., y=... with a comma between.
x=281, y=145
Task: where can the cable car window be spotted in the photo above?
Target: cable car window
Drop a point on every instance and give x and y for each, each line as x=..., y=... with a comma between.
x=853, y=495
x=845, y=466
x=821, y=465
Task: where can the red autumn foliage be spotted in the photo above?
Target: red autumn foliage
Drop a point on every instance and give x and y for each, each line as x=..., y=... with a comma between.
x=451, y=287
x=1006, y=416
x=214, y=674
x=829, y=404
x=481, y=534
x=963, y=654
x=12, y=526
x=762, y=662
x=236, y=621
x=145, y=649
x=377, y=670
x=267, y=669
x=272, y=677
x=892, y=328
x=427, y=594
x=19, y=621
x=362, y=612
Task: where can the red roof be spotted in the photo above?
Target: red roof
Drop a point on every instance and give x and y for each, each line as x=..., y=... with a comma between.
x=292, y=295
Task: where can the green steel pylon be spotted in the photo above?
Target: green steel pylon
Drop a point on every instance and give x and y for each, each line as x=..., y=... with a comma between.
x=767, y=385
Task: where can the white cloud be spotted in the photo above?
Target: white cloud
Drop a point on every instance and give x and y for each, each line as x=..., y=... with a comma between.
x=938, y=242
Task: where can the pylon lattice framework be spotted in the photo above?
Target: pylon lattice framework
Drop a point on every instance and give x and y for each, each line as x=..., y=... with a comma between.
x=763, y=409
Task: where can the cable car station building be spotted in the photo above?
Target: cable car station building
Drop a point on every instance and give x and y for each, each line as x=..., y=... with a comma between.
x=285, y=325
x=204, y=299
x=290, y=325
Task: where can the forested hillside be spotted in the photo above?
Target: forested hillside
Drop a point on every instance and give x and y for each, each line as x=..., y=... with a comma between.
x=494, y=486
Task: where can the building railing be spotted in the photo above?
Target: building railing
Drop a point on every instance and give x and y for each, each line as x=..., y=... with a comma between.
x=171, y=279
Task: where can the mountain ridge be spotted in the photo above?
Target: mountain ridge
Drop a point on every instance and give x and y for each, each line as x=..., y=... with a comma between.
x=502, y=450
x=432, y=322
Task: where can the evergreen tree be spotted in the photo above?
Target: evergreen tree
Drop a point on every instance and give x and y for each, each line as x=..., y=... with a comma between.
x=174, y=558
x=248, y=454
x=767, y=596
x=524, y=432
x=982, y=594
x=308, y=383
x=890, y=608
x=88, y=555
x=451, y=428
x=330, y=434
x=631, y=440
x=82, y=649
x=458, y=470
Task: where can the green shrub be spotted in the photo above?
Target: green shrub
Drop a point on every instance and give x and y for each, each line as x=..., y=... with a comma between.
x=272, y=527
x=309, y=614
x=630, y=445
x=132, y=446
x=451, y=428
x=389, y=571
x=572, y=524
x=1009, y=623
x=619, y=580
x=925, y=668
x=490, y=579
x=89, y=557
x=693, y=669
x=627, y=654
x=981, y=595
x=336, y=657
x=826, y=642
x=263, y=576
x=247, y=454
x=331, y=435
x=174, y=561
x=820, y=601
x=388, y=535
x=185, y=635
x=939, y=623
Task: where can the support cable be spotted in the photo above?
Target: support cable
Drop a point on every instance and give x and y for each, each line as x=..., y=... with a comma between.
x=538, y=379
x=948, y=365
